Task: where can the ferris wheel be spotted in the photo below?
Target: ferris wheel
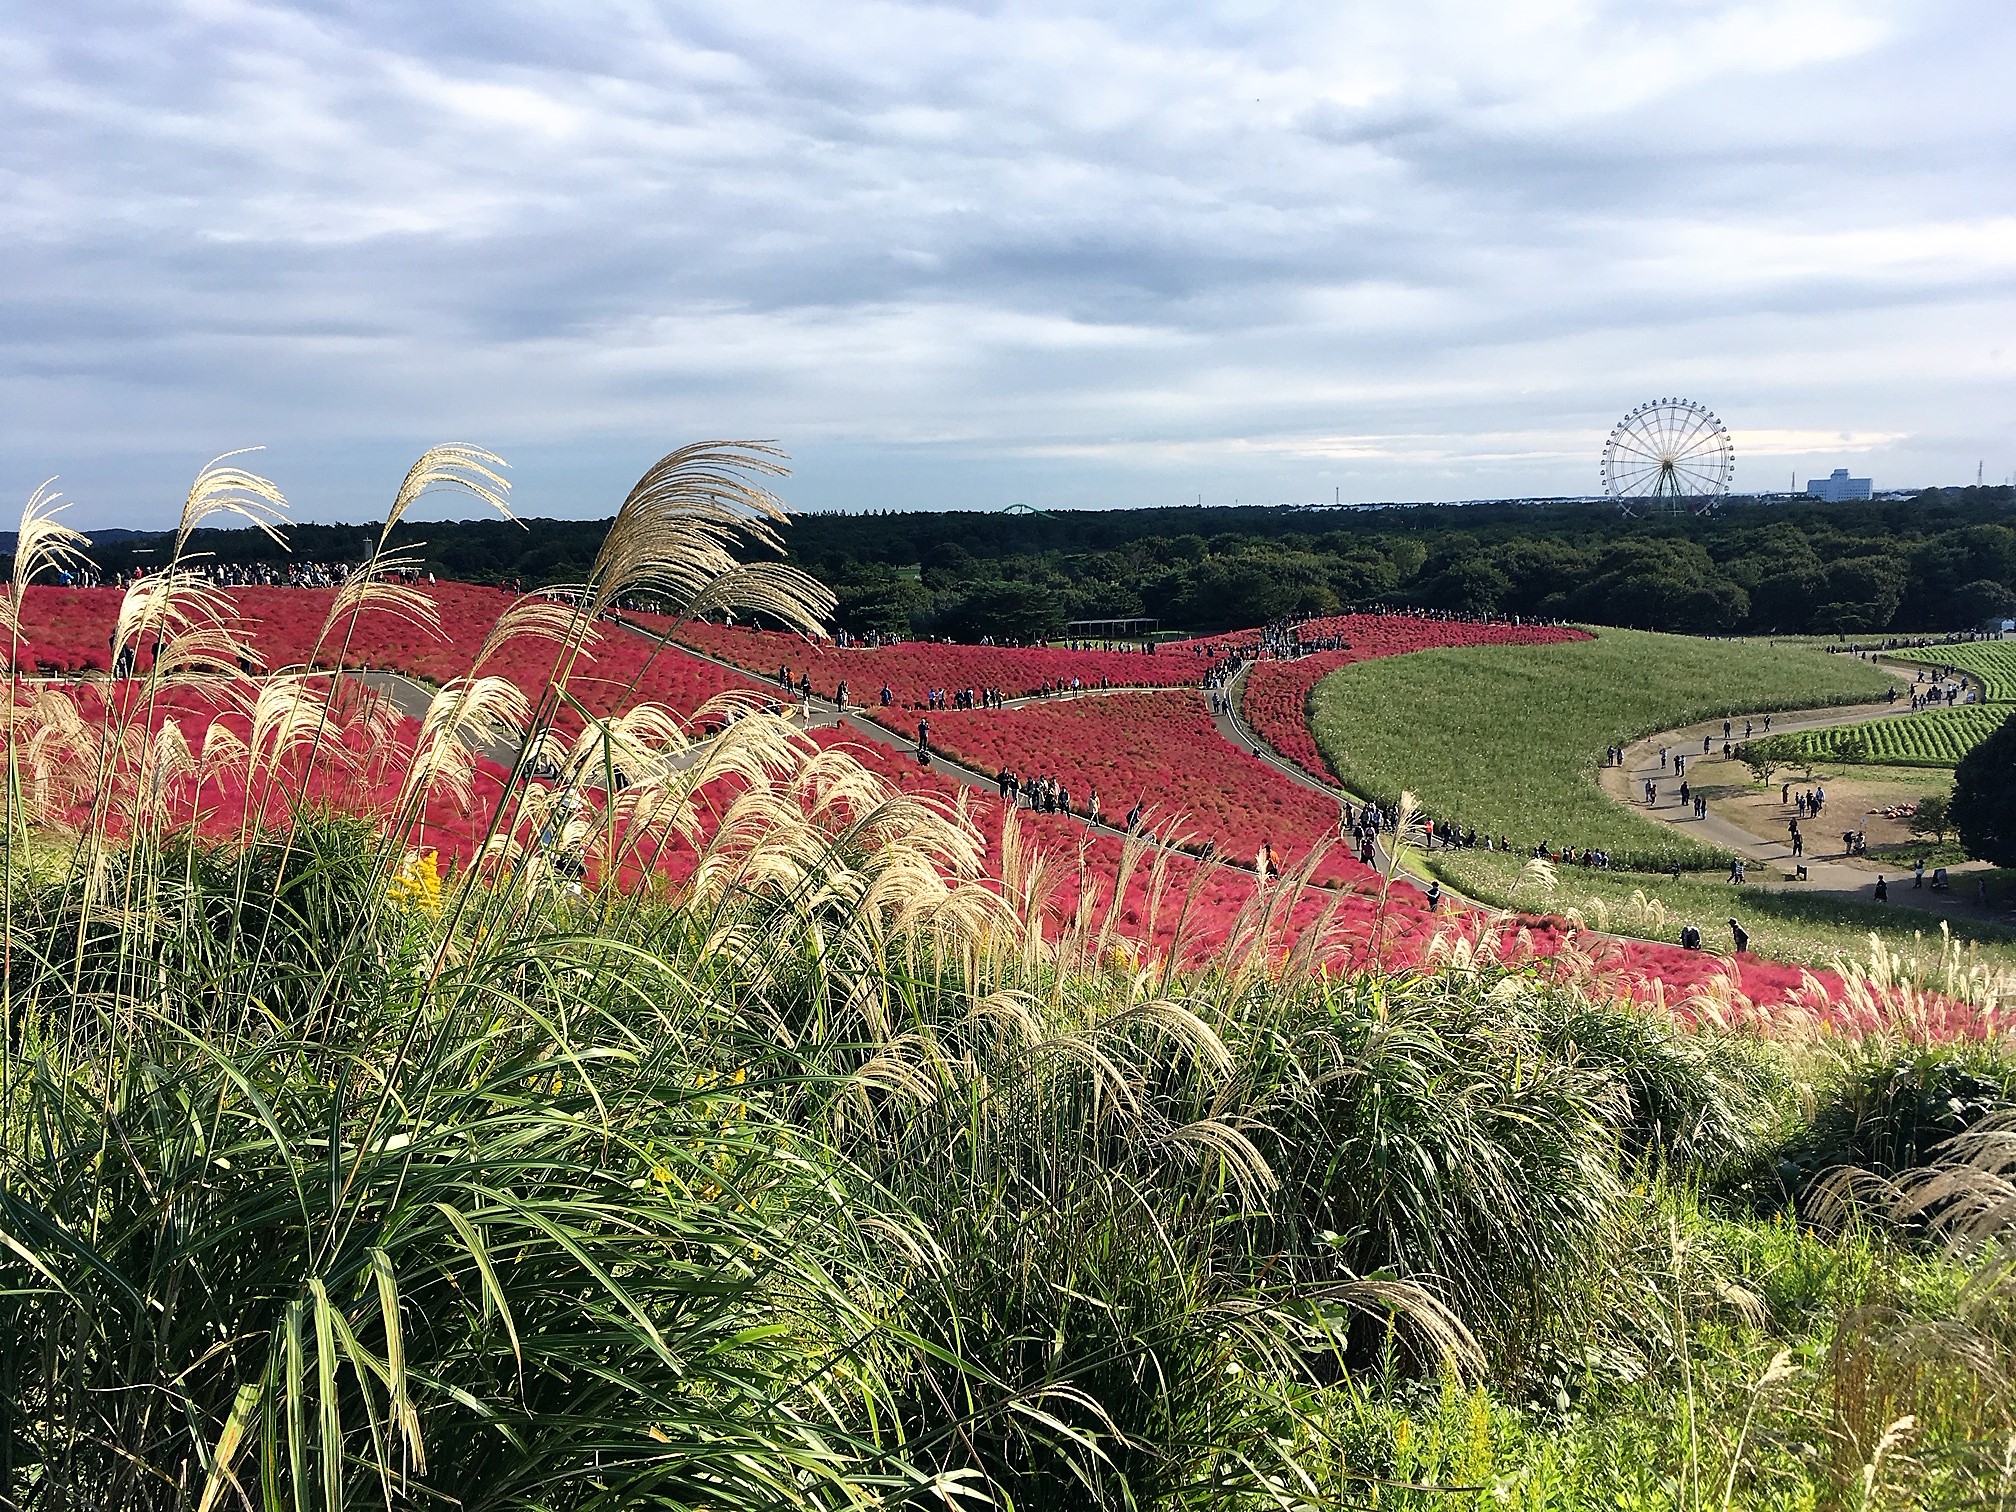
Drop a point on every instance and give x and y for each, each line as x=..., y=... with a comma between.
x=1668, y=454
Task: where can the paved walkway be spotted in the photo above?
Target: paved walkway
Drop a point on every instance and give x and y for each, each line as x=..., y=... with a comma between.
x=1769, y=863
x=411, y=697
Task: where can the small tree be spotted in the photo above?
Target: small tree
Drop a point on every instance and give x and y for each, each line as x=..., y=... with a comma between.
x=1933, y=816
x=1984, y=797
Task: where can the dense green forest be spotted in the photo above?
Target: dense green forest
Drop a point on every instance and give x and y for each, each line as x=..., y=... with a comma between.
x=1943, y=560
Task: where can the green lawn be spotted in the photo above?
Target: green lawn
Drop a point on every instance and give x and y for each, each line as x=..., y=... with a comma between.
x=1509, y=738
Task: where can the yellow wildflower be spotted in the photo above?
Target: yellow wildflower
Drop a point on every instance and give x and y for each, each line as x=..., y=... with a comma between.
x=417, y=883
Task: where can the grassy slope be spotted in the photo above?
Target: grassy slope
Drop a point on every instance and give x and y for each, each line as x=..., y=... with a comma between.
x=1509, y=738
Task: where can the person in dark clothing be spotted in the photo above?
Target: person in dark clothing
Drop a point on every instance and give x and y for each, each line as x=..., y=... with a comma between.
x=1740, y=935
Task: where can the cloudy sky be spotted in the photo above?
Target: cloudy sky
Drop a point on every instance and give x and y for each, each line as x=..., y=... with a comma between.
x=968, y=255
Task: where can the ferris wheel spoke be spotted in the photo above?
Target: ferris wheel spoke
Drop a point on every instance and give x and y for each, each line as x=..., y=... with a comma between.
x=1704, y=440
x=1686, y=423
x=1663, y=420
x=1637, y=448
x=1669, y=425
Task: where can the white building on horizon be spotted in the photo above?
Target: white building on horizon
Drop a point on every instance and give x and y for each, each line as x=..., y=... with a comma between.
x=1839, y=486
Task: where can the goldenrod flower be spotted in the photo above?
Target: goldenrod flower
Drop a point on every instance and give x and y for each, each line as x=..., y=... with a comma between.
x=417, y=883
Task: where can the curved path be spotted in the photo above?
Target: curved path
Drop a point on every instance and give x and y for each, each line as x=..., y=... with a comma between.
x=1776, y=866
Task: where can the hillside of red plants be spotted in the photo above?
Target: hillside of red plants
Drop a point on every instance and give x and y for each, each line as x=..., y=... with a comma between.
x=912, y=669
x=69, y=630
x=1160, y=750
x=356, y=767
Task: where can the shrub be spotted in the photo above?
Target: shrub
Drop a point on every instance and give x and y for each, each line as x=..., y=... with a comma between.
x=1887, y=1109
x=1984, y=797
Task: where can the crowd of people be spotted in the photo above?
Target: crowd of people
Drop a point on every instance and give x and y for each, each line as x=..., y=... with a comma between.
x=1942, y=688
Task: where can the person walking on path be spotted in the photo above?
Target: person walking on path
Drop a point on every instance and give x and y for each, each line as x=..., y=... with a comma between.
x=1736, y=869
x=1918, y=872
x=1434, y=896
x=1882, y=890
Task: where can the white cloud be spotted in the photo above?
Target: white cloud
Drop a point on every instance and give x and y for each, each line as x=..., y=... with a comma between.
x=1429, y=250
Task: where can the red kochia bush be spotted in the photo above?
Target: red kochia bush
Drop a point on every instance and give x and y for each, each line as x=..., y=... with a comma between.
x=620, y=670
x=65, y=630
x=912, y=669
x=351, y=773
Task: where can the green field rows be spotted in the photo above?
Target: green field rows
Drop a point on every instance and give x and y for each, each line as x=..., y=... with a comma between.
x=1990, y=663
x=1936, y=738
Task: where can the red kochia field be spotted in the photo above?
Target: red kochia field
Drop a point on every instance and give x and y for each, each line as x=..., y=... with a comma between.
x=618, y=671
x=358, y=768
x=65, y=630
x=911, y=669
x=1158, y=749
x=70, y=630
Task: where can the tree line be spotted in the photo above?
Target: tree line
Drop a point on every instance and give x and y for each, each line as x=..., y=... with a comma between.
x=1941, y=561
